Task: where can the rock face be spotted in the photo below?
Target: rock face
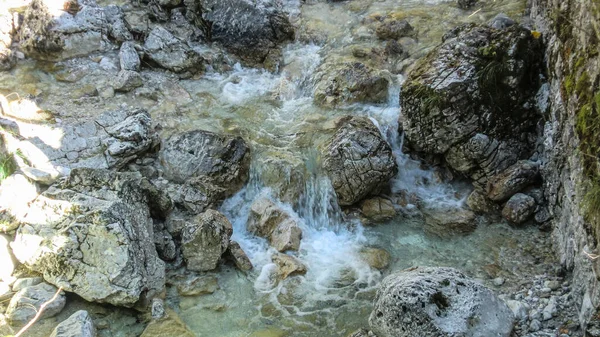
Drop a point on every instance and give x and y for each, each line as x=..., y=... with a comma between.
x=79, y=324
x=92, y=235
x=253, y=30
x=519, y=208
x=357, y=160
x=169, y=52
x=349, y=82
x=270, y=221
x=205, y=239
x=469, y=97
x=25, y=304
x=209, y=167
x=437, y=302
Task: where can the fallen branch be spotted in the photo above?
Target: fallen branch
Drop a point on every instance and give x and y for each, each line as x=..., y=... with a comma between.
x=39, y=313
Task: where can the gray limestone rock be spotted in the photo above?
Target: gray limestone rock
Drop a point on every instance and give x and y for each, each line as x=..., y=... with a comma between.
x=239, y=257
x=171, y=53
x=127, y=80
x=519, y=208
x=128, y=57
x=204, y=239
x=512, y=180
x=79, y=324
x=446, y=221
x=25, y=303
x=441, y=302
x=272, y=222
x=358, y=160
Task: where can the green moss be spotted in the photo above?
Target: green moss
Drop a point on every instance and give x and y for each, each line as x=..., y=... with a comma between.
x=582, y=88
x=7, y=165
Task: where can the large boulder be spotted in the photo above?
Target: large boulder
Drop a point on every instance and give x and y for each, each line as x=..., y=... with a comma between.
x=169, y=52
x=25, y=304
x=79, y=324
x=205, y=239
x=470, y=100
x=349, y=82
x=272, y=222
x=512, y=180
x=252, y=30
x=208, y=167
x=91, y=233
x=438, y=302
x=358, y=160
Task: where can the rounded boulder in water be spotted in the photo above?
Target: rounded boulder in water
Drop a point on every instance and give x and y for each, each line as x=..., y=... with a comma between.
x=439, y=302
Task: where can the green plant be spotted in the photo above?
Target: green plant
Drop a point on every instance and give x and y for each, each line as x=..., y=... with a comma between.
x=7, y=165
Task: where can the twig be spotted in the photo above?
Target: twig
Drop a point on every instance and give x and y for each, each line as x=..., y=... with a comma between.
x=590, y=256
x=475, y=12
x=39, y=313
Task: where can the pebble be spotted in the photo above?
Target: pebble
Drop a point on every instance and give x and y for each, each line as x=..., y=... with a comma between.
x=535, y=325
x=553, y=285
x=498, y=281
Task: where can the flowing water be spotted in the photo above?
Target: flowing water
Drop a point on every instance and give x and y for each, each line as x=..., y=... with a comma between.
x=275, y=114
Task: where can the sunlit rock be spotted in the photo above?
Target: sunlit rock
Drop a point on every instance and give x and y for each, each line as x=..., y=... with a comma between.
x=25, y=304
x=288, y=265
x=358, y=160
x=437, y=302
x=91, y=233
x=7, y=260
x=204, y=239
x=8, y=59
x=79, y=324
x=272, y=222
x=16, y=192
x=164, y=49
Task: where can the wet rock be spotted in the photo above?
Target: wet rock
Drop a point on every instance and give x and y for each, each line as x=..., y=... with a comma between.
x=127, y=80
x=7, y=259
x=501, y=21
x=349, y=82
x=128, y=57
x=466, y=4
x=164, y=49
x=512, y=180
x=209, y=167
x=470, y=96
x=238, y=256
x=377, y=209
x=53, y=34
x=25, y=304
x=79, y=324
x=252, y=30
x=357, y=160
x=270, y=221
x=91, y=235
x=169, y=325
x=479, y=203
x=288, y=266
x=199, y=285
x=437, y=302
x=519, y=208
x=447, y=221
x=391, y=29
x=23, y=283
x=284, y=175
x=205, y=239
x=376, y=257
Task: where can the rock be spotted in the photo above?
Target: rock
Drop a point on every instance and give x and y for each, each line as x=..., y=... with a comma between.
x=117, y=27
x=362, y=333
x=447, y=221
x=349, y=82
x=377, y=209
x=91, y=235
x=7, y=259
x=469, y=97
x=376, y=257
x=501, y=21
x=437, y=302
x=128, y=57
x=288, y=266
x=23, y=283
x=520, y=310
x=164, y=243
x=205, y=239
x=79, y=324
x=209, y=166
x=252, y=30
x=168, y=52
x=535, y=325
x=479, y=203
x=466, y=4
x=199, y=285
x=357, y=160
x=238, y=256
x=284, y=174
x=158, y=308
x=53, y=34
x=519, y=208
x=498, y=281
x=512, y=180
x=553, y=285
x=25, y=304
x=391, y=29
x=127, y=80
x=270, y=221
x=8, y=59
x=169, y=325
x=5, y=293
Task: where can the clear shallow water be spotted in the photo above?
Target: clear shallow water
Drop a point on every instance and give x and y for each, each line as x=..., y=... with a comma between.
x=275, y=114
